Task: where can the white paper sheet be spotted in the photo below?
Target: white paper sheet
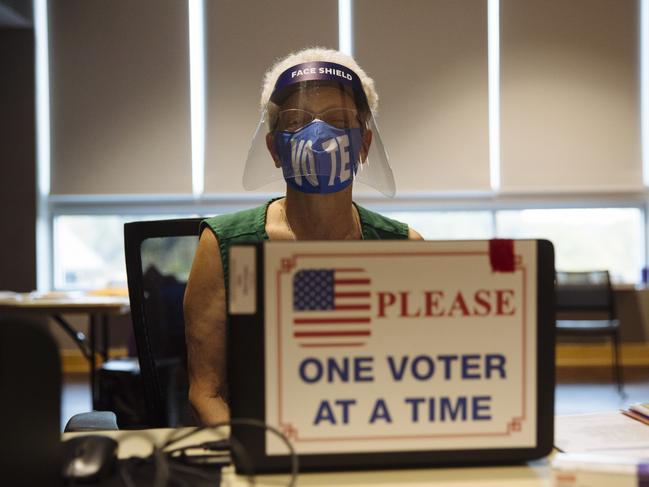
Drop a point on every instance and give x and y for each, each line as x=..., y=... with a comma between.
x=610, y=432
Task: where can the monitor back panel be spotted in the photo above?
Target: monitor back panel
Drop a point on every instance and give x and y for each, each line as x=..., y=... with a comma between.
x=392, y=354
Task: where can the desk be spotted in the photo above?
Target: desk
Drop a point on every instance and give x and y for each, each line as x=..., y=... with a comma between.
x=532, y=474
x=54, y=305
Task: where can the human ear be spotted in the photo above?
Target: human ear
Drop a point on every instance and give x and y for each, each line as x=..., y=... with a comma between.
x=271, y=148
x=365, y=145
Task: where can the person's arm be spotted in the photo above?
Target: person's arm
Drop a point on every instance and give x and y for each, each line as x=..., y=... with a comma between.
x=204, y=307
x=414, y=234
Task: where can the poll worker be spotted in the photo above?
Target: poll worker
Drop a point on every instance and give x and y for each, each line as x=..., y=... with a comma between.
x=317, y=131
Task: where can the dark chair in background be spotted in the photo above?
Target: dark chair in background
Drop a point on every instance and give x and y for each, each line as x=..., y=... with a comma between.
x=159, y=255
x=585, y=307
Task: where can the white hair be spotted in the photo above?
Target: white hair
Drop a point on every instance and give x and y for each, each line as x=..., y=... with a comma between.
x=317, y=54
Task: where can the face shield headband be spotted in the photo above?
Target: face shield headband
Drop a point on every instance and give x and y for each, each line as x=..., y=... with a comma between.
x=309, y=160
x=320, y=71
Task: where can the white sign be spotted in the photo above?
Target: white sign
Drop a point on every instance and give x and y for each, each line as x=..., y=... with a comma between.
x=381, y=346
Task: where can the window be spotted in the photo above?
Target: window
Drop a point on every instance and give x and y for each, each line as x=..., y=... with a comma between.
x=89, y=250
x=83, y=194
x=448, y=225
x=584, y=239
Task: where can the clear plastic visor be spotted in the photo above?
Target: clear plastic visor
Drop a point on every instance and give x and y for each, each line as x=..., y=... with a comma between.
x=321, y=132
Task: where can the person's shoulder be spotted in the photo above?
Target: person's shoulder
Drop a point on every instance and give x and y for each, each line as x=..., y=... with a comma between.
x=243, y=222
x=380, y=226
x=414, y=234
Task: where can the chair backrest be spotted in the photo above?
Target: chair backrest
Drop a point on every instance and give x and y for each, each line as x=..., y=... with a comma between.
x=159, y=255
x=583, y=293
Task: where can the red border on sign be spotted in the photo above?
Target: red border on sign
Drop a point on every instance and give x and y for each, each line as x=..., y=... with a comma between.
x=513, y=426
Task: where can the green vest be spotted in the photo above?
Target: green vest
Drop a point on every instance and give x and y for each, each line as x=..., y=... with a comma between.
x=250, y=226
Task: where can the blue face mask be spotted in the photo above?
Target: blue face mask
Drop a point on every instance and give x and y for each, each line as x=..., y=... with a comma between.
x=319, y=158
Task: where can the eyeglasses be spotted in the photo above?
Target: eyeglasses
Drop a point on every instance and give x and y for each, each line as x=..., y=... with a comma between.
x=293, y=119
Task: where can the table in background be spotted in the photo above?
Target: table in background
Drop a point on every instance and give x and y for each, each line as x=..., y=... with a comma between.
x=532, y=474
x=97, y=307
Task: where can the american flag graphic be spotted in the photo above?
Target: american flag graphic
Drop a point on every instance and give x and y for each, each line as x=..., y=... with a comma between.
x=331, y=307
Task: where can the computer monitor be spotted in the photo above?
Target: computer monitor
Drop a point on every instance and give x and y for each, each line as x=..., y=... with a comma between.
x=392, y=354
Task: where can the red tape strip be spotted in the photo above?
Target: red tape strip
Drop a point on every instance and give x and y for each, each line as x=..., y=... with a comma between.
x=501, y=255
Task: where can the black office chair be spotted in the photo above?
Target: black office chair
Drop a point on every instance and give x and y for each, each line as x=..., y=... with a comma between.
x=585, y=307
x=159, y=255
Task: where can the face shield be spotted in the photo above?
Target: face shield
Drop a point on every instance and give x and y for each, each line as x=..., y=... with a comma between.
x=318, y=133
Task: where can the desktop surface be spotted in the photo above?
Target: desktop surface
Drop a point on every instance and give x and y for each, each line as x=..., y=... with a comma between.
x=531, y=474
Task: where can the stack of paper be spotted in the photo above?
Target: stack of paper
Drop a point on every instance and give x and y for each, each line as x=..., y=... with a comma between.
x=638, y=411
x=598, y=470
x=601, y=450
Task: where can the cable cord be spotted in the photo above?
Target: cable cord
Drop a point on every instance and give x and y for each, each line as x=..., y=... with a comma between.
x=167, y=470
x=238, y=448
x=161, y=477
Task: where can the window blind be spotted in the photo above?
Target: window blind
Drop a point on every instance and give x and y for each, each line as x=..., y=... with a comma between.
x=244, y=38
x=570, y=106
x=429, y=62
x=119, y=97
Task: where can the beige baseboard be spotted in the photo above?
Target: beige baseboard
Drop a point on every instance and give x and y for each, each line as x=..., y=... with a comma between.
x=73, y=362
x=600, y=354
